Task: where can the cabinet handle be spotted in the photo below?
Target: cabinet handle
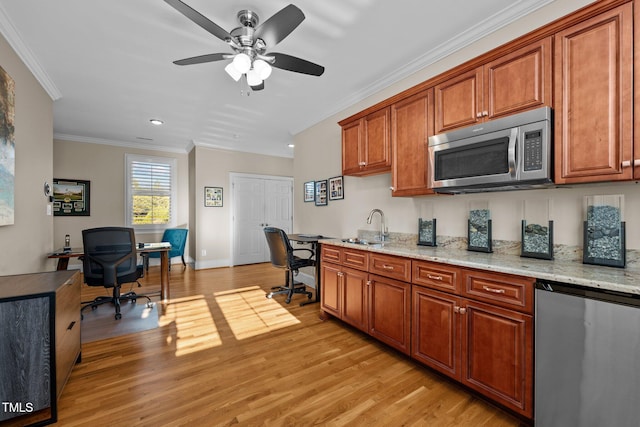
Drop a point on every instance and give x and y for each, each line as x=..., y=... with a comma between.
x=362, y=164
x=478, y=115
x=392, y=188
x=71, y=325
x=387, y=267
x=368, y=282
x=463, y=310
x=485, y=113
x=627, y=163
x=495, y=291
x=434, y=277
x=636, y=162
x=456, y=309
x=340, y=274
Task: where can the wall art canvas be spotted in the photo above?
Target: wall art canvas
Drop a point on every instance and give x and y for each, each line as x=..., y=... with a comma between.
x=7, y=148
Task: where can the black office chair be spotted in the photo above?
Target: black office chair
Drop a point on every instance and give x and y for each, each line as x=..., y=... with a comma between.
x=282, y=256
x=109, y=260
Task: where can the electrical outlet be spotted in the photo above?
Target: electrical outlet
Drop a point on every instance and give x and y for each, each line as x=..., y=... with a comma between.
x=48, y=209
x=204, y=252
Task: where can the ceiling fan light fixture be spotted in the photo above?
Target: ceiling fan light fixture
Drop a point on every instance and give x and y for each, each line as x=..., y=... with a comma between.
x=253, y=78
x=262, y=68
x=233, y=72
x=242, y=62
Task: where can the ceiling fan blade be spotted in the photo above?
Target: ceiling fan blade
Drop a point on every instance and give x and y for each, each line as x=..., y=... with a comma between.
x=258, y=87
x=297, y=65
x=280, y=25
x=199, y=19
x=202, y=59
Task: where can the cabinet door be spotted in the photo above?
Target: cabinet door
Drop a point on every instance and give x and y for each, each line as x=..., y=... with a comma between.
x=354, y=298
x=458, y=101
x=497, y=350
x=411, y=123
x=436, y=331
x=389, y=312
x=518, y=81
x=593, y=99
x=351, y=143
x=377, y=144
x=331, y=295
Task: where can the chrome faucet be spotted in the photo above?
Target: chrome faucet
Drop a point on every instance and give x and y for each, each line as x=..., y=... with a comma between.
x=384, y=231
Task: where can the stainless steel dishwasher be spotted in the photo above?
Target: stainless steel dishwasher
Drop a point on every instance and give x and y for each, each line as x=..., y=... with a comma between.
x=587, y=357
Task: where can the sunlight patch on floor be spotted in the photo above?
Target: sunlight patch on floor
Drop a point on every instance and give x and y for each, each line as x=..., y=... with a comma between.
x=193, y=327
x=249, y=313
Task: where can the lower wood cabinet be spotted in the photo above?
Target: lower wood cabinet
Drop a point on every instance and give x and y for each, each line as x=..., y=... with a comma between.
x=344, y=294
x=484, y=347
x=474, y=326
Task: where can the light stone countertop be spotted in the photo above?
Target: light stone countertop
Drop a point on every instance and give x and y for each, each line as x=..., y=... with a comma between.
x=625, y=280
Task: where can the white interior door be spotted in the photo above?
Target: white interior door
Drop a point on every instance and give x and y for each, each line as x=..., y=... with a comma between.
x=278, y=204
x=258, y=202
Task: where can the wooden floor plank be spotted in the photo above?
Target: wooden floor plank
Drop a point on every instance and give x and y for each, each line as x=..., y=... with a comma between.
x=225, y=355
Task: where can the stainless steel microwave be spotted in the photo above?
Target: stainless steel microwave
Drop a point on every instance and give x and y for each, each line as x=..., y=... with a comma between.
x=510, y=153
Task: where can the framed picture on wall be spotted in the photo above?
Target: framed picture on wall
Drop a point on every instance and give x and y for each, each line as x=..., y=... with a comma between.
x=71, y=197
x=309, y=191
x=213, y=197
x=321, y=193
x=336, y=188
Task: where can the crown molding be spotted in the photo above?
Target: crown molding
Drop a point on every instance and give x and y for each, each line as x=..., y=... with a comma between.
x=482, y=29
x=8, y=30
x=288, y=155
x=101, y=141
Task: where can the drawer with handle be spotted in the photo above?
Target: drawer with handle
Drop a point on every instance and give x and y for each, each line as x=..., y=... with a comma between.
x=390, y=266
x=500, y=289
x=436, y=276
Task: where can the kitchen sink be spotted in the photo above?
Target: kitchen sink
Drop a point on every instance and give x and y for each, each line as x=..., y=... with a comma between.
x=357, y=241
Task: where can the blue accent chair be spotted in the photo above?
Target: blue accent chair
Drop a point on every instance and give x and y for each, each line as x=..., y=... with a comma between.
x=178, y=239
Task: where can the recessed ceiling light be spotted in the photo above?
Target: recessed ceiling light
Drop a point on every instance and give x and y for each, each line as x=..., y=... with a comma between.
x=156, y=122
x=291, y=145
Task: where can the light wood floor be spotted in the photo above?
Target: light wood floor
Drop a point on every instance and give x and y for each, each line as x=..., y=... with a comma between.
x=225, y=355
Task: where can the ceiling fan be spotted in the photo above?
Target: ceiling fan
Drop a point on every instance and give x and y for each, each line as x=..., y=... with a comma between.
x=249, y=42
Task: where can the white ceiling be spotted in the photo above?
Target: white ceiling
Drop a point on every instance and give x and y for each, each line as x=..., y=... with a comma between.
x=107, y=64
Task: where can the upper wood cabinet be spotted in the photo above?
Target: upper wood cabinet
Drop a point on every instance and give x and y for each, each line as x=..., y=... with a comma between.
x=517, y=81
x=411, y=125
x=594, y=99
x=366, y=146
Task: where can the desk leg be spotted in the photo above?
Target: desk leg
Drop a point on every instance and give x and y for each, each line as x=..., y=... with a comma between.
x=315, y=248
x=63, y=263
x=164, y=276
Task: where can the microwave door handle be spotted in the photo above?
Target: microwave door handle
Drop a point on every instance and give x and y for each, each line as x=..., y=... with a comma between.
x=513, y=138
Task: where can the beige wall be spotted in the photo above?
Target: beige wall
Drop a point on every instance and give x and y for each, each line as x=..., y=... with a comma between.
x=318, y=156
x=212, y=169
x=104, y=166
x=26, y=242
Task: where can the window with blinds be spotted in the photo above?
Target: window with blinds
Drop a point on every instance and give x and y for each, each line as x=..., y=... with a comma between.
x=150, y=192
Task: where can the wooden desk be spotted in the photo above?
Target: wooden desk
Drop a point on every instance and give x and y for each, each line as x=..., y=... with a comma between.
x=314, y=241
x=64, y=256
